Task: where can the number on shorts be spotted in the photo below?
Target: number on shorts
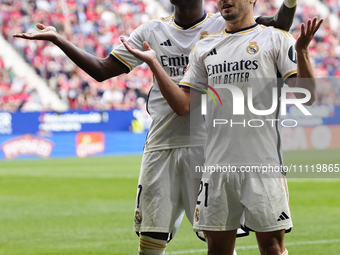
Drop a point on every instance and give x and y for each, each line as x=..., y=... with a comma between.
x=138, y=196
x=206, y=185
x=199, y=192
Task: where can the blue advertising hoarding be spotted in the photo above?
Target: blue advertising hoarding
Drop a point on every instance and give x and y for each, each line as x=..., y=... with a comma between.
x=69, y=145
x=87, y=133
x=71, y=121
x=68, y=134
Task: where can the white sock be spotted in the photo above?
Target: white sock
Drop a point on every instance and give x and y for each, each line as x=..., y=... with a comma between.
x=151, y=246
x=285, y=253
x=290, y=3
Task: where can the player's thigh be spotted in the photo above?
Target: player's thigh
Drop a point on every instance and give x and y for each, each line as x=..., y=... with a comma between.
x=266, y=203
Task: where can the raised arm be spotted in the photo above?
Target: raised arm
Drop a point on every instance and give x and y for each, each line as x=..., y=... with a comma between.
x=283, y=18
x=178, y=98
x=304, y=66
x=98, y=68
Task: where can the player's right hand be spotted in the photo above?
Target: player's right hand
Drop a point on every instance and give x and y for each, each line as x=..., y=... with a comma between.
x=148, y=56
x=45, y=33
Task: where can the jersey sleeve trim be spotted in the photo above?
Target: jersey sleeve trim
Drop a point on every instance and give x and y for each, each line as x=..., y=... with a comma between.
x=289, y=74
x=190, y=86
x=122, y=60
x=182, y=86
x=287, y=34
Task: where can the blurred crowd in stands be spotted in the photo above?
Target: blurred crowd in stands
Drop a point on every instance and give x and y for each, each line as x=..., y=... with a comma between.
x=14, y=92
x=95, y=26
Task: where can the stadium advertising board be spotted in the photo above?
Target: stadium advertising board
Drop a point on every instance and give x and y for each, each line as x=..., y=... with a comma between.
x=72, y=133
x=303, y=138
x=88, y=144
x=83, y=134
x=5, y=123
x=320, y=130
x=27, y=145
x=82, y=144
x=70, y=121
x=108, y=121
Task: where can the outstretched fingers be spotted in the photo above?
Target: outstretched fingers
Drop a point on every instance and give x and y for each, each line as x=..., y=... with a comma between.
x=318, y=25
x=309, y=24
x=43, y=33
x=127, y=45
x=309, y=29
x=303, y=29
x=23, y=35
x=312, y=27
x=131, y=49
x=147, y=56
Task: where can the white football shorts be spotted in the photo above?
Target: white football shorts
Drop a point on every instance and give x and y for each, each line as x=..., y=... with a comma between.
x=259, y=201
x=166, y=190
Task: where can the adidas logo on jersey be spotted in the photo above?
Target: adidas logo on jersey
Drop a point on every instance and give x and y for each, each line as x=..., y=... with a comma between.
x=283, y=216
x=166, y=43
x=213, y=52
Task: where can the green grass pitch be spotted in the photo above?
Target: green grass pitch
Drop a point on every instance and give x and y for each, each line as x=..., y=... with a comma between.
x=86, y=206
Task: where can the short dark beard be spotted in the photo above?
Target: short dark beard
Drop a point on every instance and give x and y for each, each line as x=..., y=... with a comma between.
x=230, y=17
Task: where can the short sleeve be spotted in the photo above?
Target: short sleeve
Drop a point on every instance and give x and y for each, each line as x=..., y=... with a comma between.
x=136, y=39
x=287, y=57
x=195, y=75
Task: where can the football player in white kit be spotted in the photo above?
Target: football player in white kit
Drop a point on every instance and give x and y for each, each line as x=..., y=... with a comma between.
x=165, y=188
x=247, y=57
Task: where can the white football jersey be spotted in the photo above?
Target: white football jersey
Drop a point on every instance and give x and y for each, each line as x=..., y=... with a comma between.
x=172, y=44
x=251, y=58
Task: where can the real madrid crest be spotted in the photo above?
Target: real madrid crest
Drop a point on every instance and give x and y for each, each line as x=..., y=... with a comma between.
x=252, y=47
x=203, y=34
x=197, y=215
x=138, y=218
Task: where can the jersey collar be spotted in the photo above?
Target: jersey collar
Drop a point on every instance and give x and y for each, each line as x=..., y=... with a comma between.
x=243, y=30
x=198, y=22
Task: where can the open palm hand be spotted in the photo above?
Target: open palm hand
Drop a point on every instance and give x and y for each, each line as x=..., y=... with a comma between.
x=45, y=33
x=147, y=56
x=307, y=34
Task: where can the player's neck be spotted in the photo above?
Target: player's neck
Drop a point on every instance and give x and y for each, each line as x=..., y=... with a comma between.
x=240, y=23
x=185, y=17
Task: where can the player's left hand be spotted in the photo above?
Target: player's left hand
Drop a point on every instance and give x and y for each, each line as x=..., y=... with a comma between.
x=147, y=56
x=307, y=34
